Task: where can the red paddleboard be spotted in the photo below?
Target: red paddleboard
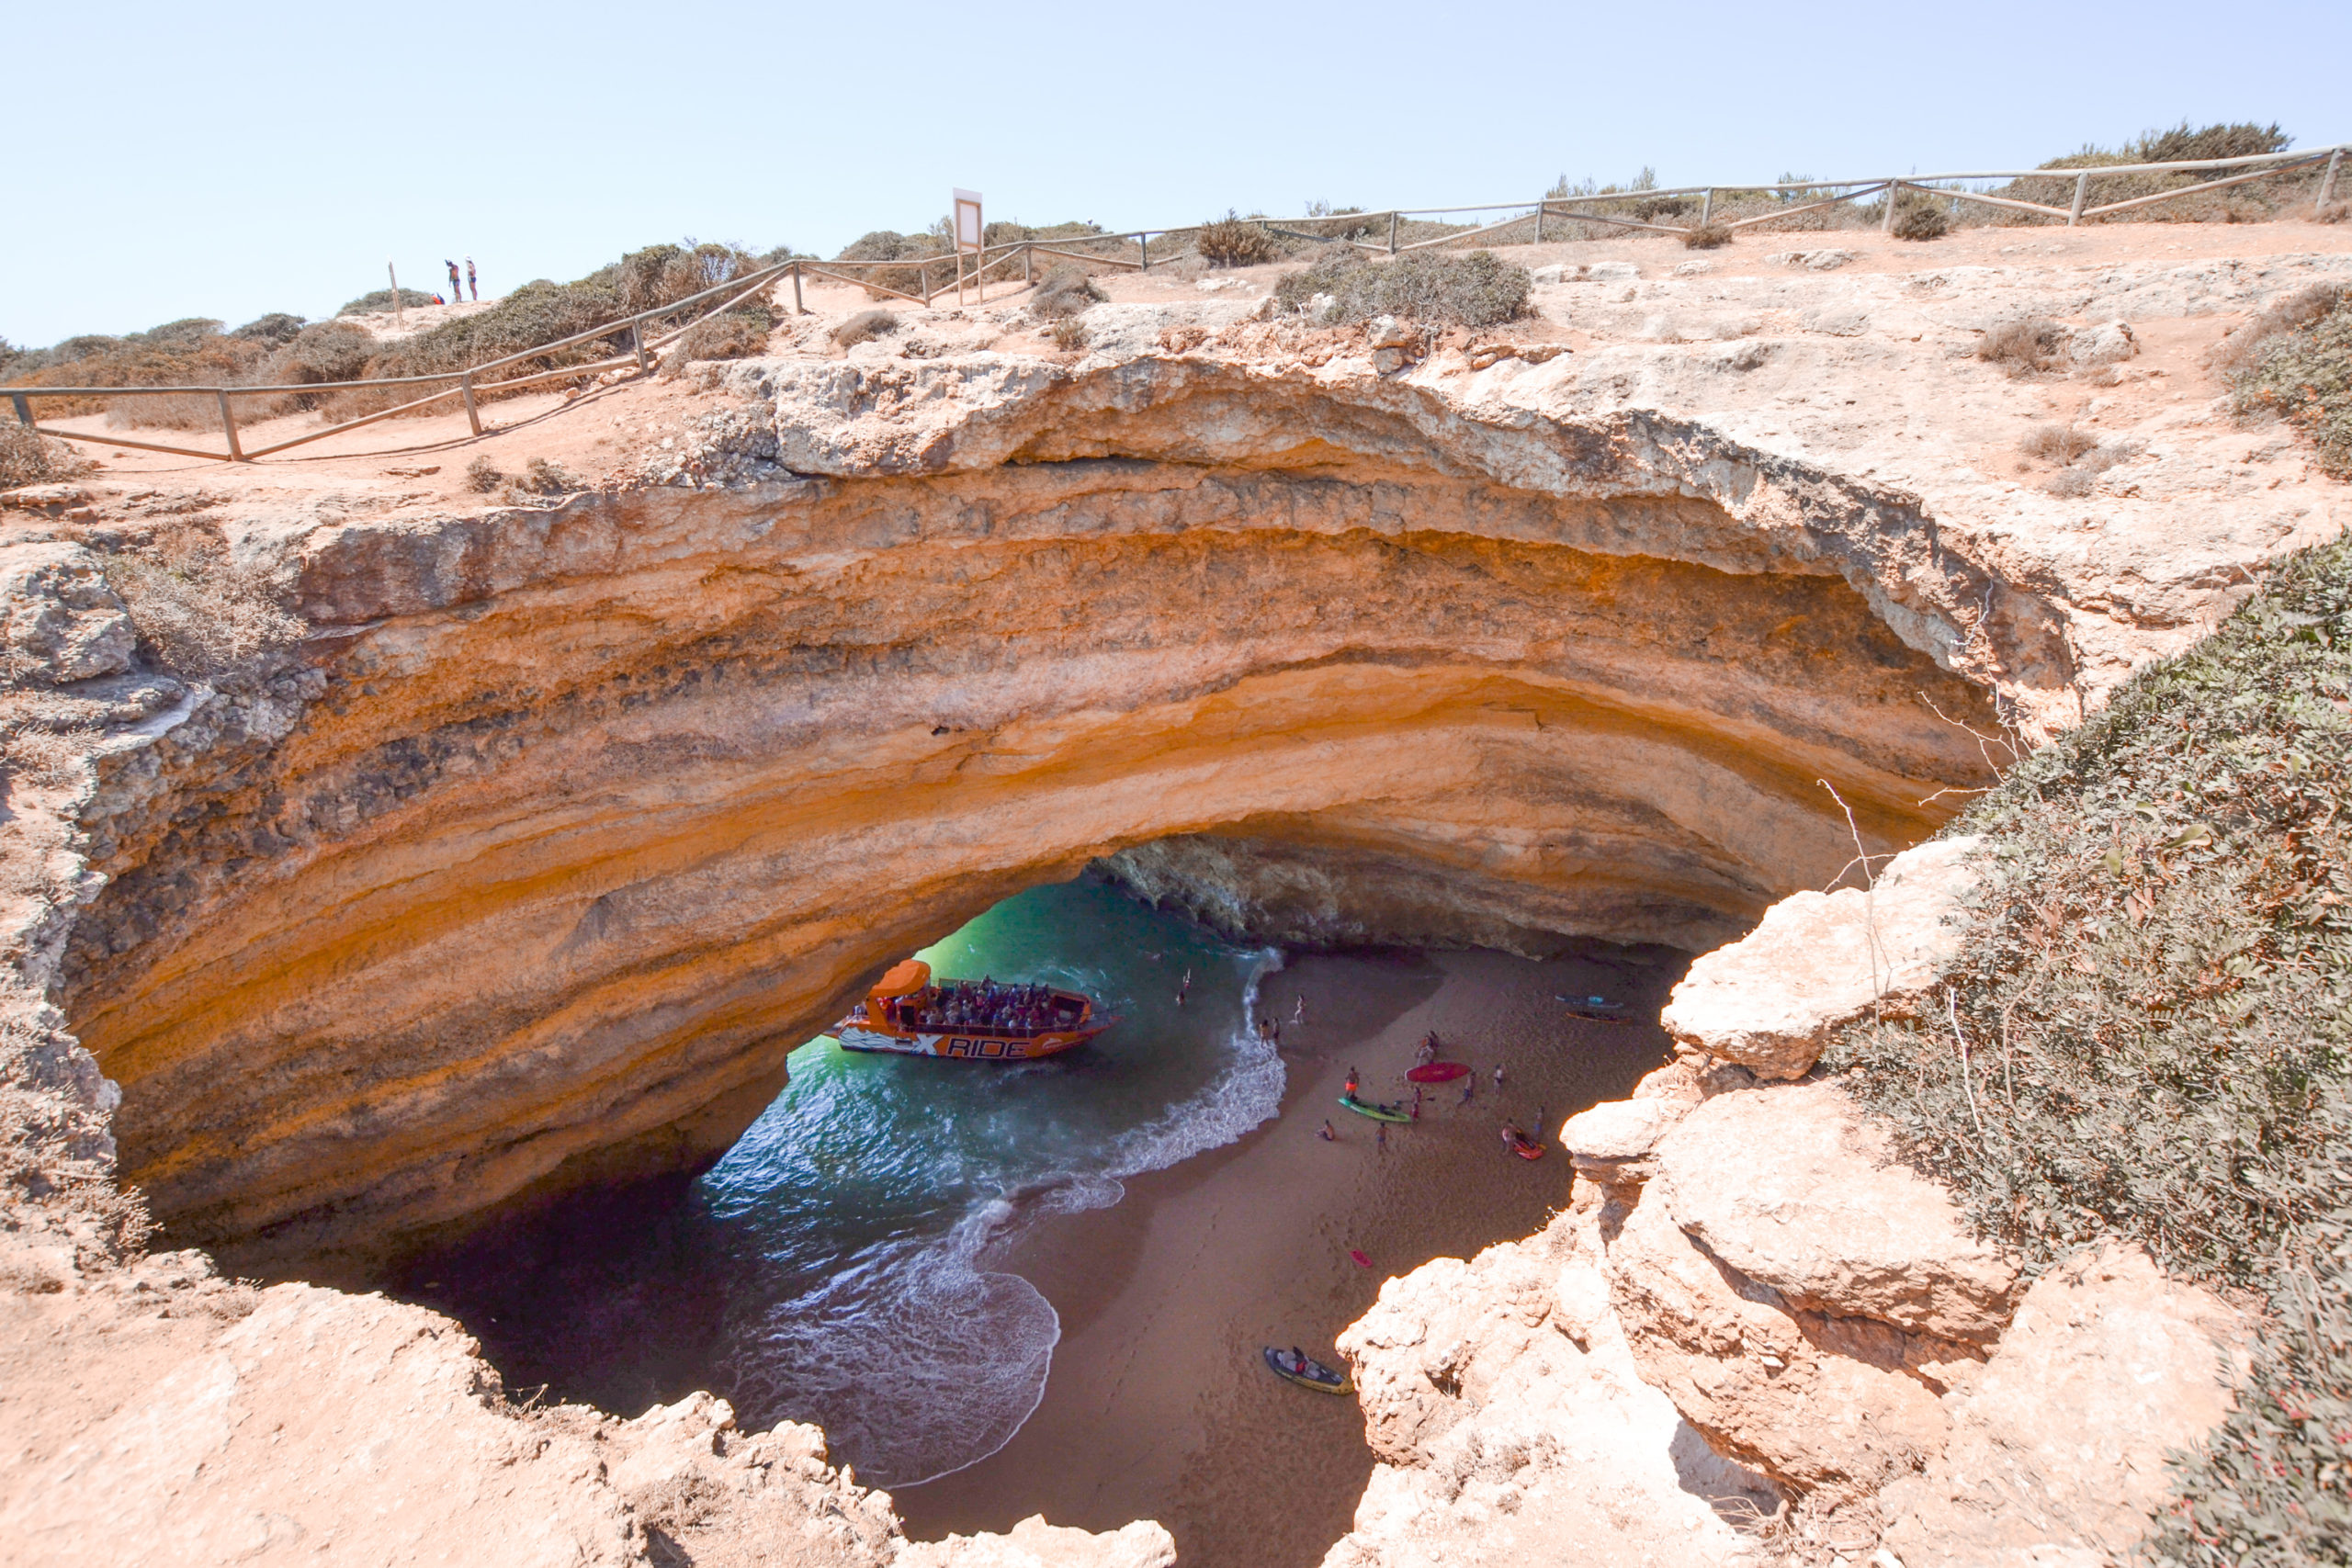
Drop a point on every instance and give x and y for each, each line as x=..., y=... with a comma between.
x=1359, y=1257
x=1439, y=1072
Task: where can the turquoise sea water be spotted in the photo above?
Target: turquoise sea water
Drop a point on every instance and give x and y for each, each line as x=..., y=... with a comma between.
x=834, y=1266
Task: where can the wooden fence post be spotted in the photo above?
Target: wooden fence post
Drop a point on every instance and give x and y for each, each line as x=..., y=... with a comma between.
x=1392, y=233
x=473, y=416
x=399, y=322
x=798, y=308
x=2328, y=185
x=228, y=426
x=1145, y=241
x=637, y=342
x=1539, y=220
x=2082, y=192
x=1028, y=265
x=922, y=272
x=1706, y=206
x=1894, y=189
x=24, y=408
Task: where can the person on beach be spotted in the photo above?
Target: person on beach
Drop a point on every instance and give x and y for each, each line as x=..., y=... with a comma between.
x=1417, y=1103
x=472, y=286
x=1380, y=1134
x=1499, y=1077
x=457, y=289
x=1298, y=1014
x=1326, y=1134
x=1185, y=988
x=1427, y=1052
x=1469, y=1083
x=1353, y=1081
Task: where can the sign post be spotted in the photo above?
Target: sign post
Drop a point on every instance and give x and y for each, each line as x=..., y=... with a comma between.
x=970, y=239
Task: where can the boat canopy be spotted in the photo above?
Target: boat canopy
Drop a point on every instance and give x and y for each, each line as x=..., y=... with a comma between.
x=906, y=977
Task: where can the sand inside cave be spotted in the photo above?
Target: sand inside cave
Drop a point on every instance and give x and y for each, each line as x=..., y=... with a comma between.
x=1158, y=1405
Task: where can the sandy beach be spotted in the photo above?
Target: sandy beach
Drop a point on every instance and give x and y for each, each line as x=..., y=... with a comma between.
x=1158, y=1405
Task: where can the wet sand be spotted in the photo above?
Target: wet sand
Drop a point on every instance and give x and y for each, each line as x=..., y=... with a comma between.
x=1158, y=1405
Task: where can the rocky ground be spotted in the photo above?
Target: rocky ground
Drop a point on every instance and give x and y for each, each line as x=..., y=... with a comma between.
x=397, y=845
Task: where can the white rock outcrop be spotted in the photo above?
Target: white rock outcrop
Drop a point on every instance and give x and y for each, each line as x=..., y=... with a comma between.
x=1821, y=960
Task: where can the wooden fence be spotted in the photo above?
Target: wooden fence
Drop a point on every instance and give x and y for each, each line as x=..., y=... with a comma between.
x=972, y=270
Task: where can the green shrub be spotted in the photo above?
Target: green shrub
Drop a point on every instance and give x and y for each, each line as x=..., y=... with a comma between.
x=1921, y=217
x=889, y=245
x=1472, y=290
x=739, y=334
x=1065, y=292
x=2305, y=373
x=380, y=302
x=1234, y=241
x=2148, y=1034
x=273, y=328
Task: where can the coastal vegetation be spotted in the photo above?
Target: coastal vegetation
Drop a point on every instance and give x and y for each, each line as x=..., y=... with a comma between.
x=2149, y=1035
x=1475, y=290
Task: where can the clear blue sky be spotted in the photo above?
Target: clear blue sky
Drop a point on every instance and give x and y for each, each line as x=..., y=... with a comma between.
x=241, y=158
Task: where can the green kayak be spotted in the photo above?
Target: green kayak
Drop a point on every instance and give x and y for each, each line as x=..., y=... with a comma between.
x=1377, y=1112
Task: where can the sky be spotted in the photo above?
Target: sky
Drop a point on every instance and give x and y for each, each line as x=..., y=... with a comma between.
x=236, y=159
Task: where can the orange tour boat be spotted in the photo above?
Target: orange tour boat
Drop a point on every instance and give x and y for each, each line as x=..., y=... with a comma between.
x=913, y=1014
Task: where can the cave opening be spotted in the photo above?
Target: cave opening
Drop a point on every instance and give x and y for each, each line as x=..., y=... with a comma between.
x=1002, y=1291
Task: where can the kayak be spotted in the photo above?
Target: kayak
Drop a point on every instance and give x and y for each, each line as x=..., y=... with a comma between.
x=1357, y=1253
x=1308, y=1372
x=1595, y=1009
x=1439, y=1072
x=1377, y=1112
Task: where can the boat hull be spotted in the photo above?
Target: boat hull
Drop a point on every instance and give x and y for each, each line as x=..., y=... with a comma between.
x=963, y=1045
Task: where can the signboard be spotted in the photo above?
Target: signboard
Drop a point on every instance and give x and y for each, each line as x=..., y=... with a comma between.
x=970, y=233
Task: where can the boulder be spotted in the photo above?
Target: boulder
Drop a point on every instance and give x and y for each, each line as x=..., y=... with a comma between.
x=1612, y=1142
x=2108, y=343
x=2058, y=1446
x=60, y=619
x=1818, y=961
x=1795, y=1189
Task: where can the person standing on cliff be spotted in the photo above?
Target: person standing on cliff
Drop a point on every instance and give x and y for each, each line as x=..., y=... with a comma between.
x=472, y=286
x=457, y=289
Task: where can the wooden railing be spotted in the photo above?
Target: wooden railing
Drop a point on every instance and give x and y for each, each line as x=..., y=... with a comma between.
x=972, y=270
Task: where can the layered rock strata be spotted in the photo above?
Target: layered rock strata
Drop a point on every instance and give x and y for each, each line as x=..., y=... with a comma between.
x=567, y=825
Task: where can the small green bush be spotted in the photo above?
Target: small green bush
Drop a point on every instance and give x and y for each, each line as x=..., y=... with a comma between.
x=276, y=328
x=1231, y=241
x=380, y=302
x=1921, y=218
x=1065, y=292
x=1472, y=290
x=2305, y=373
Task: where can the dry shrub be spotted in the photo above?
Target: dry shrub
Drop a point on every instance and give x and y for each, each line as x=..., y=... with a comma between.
x=738, y=334
x=380, y=302
x=1707, y=236
x=543, y=478
x=2305, y=374
x=1069, y=334
x=863, y=327
x=2056, y=443
x=1232, y=240
x=483, y=475
x=196, y=612
x=1474, y=290
x=2034, y=344
x=1065, y=292
x=1921, y=218
x=51, y=759
x=2297, y=310
x=28, y=458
